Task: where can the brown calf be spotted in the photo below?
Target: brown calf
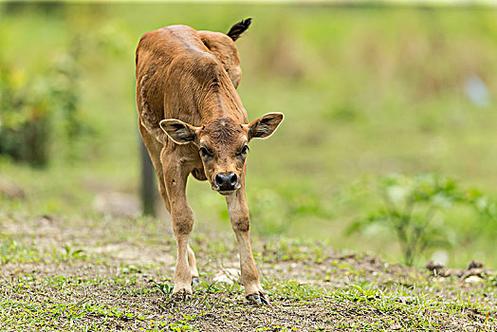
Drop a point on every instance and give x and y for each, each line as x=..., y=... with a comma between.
x=192, y=121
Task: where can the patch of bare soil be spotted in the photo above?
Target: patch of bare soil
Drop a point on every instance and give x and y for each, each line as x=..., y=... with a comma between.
x=115, y=274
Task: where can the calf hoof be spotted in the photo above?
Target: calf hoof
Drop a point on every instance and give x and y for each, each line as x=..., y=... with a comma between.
x=258, y=299
x=182, y=295
x=195, y=281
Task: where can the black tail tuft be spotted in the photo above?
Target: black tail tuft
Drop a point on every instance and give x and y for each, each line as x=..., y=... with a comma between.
x=237, y=29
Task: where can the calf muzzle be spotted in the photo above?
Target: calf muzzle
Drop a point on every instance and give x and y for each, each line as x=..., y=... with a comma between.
x=226, y=183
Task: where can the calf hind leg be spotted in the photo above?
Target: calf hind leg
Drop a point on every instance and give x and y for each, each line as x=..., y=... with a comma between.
x=192, y=262
x=154, y=150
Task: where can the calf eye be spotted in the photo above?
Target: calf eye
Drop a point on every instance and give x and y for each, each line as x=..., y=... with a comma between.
x=243, y=151
x=205, y=153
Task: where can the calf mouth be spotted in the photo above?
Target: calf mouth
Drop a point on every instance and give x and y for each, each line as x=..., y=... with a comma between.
x=225, y=192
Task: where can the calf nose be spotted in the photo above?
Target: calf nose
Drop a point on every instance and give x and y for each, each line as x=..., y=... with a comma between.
x=226, y=181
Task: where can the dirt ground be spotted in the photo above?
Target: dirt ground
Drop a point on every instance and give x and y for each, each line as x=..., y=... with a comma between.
x=115, y=274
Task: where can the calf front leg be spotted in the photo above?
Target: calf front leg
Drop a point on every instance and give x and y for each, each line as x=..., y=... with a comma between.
x=239, y=216
x=175, y=177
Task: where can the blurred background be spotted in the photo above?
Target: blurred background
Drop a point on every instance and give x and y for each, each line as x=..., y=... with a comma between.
x=388, y=145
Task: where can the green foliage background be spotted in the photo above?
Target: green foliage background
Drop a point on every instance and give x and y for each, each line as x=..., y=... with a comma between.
x=367, y=92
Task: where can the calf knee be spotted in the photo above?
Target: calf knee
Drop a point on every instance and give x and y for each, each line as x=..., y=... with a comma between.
x=182, y=222
x=241, y=224
x=183, y=226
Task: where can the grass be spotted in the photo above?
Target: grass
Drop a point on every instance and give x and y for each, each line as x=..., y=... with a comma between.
x=366, y=92
x=361, y=100
x=85, y=283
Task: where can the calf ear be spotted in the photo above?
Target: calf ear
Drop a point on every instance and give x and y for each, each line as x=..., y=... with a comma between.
x=264, y=126
x=239, y=28
x=178, y=131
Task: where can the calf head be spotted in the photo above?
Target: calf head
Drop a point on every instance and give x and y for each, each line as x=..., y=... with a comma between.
x=222, y=146
x=224, y=48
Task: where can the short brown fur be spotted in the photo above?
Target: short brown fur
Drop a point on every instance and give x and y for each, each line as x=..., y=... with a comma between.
x=192, y=121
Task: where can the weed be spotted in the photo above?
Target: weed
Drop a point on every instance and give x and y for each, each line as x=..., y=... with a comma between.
x=414, y=209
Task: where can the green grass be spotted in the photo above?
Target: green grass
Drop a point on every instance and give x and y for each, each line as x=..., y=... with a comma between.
x=362, y=99
x=366, y=93
x=85, y=281
x=140, y=298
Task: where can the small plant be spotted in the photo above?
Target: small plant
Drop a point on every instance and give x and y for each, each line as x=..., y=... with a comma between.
x=164, y=287
x=24, y=120
x=41, y=108
x=277, y=210
x=69, y=253
x=413, y=208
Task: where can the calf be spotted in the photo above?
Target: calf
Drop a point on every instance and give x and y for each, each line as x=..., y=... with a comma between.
x=192, y=121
